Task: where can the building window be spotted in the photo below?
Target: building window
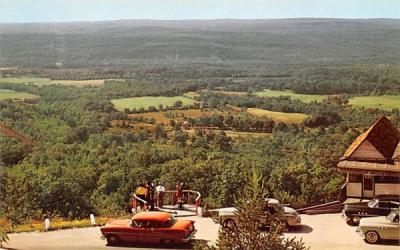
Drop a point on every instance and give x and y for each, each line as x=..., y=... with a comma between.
x=355, y=178
x=368, y=183
x=387, y=179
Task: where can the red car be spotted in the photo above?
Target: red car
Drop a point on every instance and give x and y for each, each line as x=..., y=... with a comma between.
x=149, y=227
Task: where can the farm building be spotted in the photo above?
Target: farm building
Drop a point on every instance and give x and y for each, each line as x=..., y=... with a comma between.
x=372, y=162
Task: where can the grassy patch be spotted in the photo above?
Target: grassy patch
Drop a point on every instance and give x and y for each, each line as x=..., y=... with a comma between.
x=235, y=134
x=57, y=224
x=33, y=80
x=147, y=101
x=295, y=118
x=11, y=94
x=162, y=117
x=47, y=81
x=80, y=83
x=133, y=126
x=191, y=95
x=146, y=126
x=385, y=102
x=302, y=97
x=232, y=93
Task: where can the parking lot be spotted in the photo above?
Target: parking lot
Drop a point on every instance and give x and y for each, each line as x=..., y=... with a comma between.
x=330, y=231
x=327, y=231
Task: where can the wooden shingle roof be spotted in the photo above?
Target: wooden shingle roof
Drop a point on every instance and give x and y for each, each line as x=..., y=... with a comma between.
x=382, y=135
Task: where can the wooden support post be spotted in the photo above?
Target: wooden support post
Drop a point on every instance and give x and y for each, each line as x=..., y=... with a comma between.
x=92, y=220
x=46, y=224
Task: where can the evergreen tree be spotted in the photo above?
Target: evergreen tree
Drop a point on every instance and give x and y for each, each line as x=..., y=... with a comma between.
x=248, y=233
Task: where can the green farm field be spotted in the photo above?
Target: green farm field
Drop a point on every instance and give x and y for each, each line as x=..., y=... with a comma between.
x=161, y=117
x=234, y=134
x=191, y=95
x=11, y=94
x=20, y=80
x=294, y=96
x=385, y=102
x=147, y=101
x=295, y=118
x=47, y=81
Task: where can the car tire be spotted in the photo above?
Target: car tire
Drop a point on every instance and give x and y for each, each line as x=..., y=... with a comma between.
x=113, y=240
x=353, y=221
x=349, y=222
x=229, y=223
x=166, y=242
x=372, y=237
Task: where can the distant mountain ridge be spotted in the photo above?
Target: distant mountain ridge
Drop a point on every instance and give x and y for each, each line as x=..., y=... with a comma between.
x=241, y=44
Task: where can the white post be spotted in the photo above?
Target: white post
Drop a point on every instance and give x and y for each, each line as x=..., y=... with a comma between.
x=92, y=219
x=46, y=224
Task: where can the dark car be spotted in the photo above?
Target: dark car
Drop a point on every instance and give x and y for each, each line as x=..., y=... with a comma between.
x=380, y=205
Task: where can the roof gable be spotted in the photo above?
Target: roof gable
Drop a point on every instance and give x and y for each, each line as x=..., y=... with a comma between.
x=396, y=154
x=367, y=150
x=382, y=135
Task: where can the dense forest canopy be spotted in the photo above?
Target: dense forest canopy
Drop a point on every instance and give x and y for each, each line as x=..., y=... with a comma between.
x=74, y=137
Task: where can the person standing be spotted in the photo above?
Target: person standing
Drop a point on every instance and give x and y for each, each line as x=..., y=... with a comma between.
x=160, y=190
x=150, y=195
x=141, y=193
x=179, y=194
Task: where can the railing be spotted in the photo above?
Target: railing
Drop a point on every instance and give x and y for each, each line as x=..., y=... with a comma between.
x=136, y=203
x=190, y=197
x=329, y=207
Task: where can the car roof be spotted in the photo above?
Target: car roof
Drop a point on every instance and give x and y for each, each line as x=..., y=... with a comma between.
x=152, y=216
x=272, y=201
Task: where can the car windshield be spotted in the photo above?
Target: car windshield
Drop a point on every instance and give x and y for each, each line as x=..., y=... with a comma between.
x=171, y=221
x=390, y=216
x=373, y=203
x=136, y=223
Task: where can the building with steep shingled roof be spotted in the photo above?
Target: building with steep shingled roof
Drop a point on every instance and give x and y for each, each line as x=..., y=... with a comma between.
x=372, y=162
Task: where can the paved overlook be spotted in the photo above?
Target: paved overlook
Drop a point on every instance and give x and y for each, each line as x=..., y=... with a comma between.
x=326, y=231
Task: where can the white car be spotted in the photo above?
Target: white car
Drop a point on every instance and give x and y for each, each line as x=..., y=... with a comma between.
x=228, y=217
x=383, y=227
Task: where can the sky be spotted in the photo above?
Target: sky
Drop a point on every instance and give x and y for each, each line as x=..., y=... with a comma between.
x=27, y=11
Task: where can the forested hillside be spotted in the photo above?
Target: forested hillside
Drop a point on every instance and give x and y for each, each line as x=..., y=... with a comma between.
x=82, y=162
x=255, y=46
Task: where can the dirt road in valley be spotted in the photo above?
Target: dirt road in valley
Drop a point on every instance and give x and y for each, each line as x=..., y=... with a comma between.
x=8, y=132
x=327, y=231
